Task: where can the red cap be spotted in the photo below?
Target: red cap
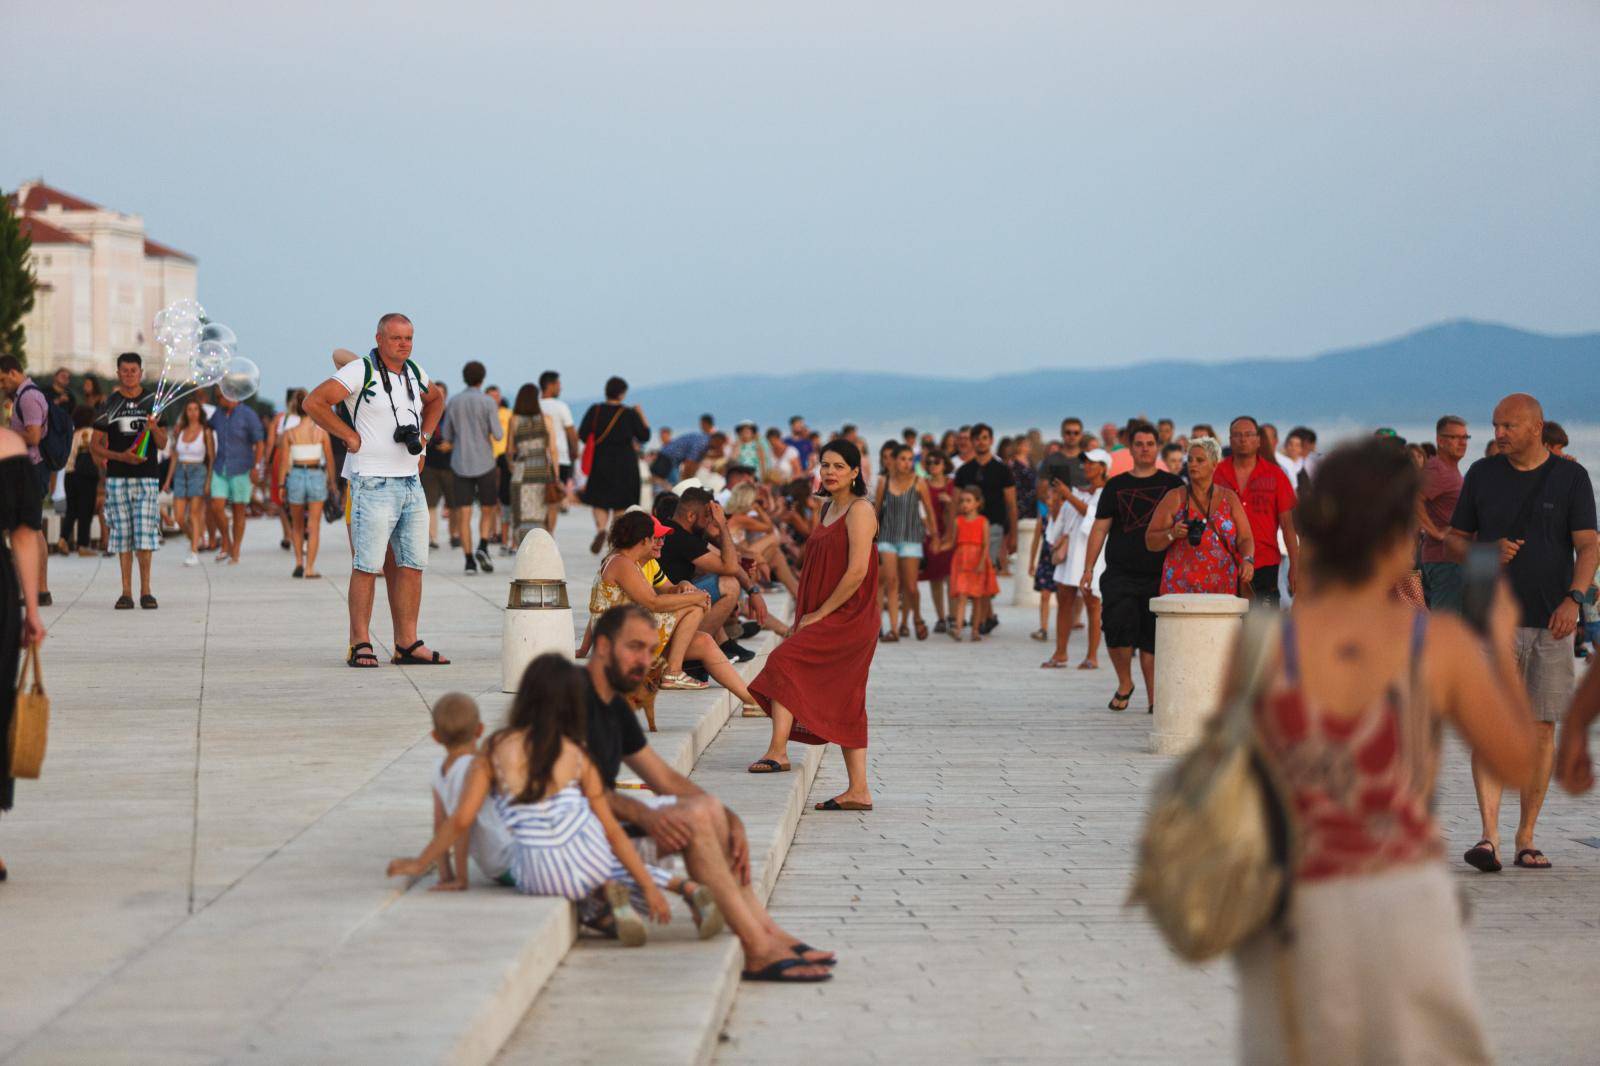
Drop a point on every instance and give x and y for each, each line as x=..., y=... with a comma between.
x=660, y=530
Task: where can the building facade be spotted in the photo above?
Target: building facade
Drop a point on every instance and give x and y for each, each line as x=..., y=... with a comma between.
x=101, y=282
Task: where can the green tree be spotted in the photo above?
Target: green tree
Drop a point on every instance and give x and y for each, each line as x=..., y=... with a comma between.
x=17, y=281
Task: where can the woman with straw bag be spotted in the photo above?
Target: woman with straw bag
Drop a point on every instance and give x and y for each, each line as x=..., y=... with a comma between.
x=20, y=627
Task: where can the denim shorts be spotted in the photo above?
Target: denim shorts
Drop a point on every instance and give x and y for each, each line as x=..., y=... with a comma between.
x=388, y=512
x=306, y=484
x=708, y=583
x=188, y=481
x=235, y=488
x=905, y=549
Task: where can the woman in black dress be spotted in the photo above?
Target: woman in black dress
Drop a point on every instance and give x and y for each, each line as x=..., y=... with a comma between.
x=20, y=519
x=614, y=469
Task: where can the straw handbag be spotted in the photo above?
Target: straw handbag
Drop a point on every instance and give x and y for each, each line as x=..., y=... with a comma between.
x=30, y=719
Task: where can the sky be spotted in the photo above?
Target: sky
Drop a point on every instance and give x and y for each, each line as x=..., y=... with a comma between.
x=673, y=191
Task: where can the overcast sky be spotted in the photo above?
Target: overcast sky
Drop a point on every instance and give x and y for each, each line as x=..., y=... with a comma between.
x=667, y=190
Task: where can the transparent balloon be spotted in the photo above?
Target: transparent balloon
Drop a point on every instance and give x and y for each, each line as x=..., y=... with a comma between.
x=216, y=331
x=241, y=380
x=209, y=362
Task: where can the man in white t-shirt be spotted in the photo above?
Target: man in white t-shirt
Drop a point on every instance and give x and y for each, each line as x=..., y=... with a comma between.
x=550, y=403
x=385, y=396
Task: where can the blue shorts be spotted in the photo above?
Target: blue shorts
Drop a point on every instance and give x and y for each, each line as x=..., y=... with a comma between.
x=234, y=488
x=306, y=484
x=388, y=512
x=189, y=481
x=905, y=549
x=709, y=583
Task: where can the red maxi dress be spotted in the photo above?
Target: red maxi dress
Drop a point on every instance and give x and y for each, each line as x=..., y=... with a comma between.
x=820, y=672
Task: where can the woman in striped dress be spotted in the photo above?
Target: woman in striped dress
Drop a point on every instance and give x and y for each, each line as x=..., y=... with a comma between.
x=566, y=841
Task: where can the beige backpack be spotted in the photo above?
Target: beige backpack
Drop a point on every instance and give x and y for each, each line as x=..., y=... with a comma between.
x=1214, y=862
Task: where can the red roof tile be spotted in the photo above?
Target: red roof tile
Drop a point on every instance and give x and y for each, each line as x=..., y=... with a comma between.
x=161, y=251
x=42, y=196
x=42, y=232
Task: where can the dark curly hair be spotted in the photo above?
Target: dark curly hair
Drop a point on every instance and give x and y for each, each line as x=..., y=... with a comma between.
x=1363, y=500
x=630, y=528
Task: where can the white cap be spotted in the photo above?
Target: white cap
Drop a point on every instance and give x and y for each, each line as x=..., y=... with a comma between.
x=686, y=483
x=1098, y=455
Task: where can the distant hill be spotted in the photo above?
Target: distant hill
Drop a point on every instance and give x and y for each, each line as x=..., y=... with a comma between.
x=1460, y=367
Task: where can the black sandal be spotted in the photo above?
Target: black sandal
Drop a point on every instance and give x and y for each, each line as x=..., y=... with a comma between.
x=403, y=657
x=768, y=766
x=362, y=660
x=1532, y=853
x=148, y=602
x=779, y=973
x=1481, y=857
x=801, y=948
x=124, y=603
x=1119, y=702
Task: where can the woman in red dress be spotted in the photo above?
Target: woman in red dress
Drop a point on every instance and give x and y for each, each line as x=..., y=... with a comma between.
x=814, y=686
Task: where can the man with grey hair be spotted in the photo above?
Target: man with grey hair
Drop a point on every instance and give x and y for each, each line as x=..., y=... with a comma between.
x=1539, y=513
x=393, y=410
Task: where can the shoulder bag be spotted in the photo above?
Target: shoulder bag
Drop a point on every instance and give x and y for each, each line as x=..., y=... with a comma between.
x=30, y=719
x=591, y=441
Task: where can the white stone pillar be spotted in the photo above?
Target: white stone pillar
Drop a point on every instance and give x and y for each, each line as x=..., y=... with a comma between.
x=1022, y=591
x=1194, y=632
x=538, y=615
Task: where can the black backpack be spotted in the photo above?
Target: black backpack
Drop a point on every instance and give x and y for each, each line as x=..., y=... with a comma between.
x=56, y=444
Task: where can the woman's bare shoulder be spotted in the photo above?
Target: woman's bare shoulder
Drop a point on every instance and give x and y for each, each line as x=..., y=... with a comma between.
x=11, y=443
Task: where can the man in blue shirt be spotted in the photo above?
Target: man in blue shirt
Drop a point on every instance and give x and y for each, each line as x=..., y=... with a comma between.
x=799, y=439
x=240, y=441
x=680, y=457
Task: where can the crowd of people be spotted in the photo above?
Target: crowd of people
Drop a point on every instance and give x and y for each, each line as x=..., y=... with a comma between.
x=705, y=525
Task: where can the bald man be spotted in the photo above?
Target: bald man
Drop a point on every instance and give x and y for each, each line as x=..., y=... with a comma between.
x=1539, y=511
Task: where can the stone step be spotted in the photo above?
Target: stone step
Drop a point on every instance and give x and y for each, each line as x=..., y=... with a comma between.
x=666, y=1002
x=314, y=957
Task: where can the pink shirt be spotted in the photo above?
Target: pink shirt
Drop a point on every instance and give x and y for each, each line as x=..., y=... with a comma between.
x=1441, y=488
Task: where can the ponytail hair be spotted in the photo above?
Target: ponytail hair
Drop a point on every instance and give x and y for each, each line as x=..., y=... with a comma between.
x=852, y=458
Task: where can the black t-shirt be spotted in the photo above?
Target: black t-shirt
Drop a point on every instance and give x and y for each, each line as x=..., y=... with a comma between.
x=1494, y=496
x=614, y=734
x=1129, y=502
x=435, y=458
x=123, y=421
x=679, y=551
x=1068, y=468
x=992, y=479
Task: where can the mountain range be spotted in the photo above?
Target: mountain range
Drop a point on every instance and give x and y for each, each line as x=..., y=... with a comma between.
x=1461, y=366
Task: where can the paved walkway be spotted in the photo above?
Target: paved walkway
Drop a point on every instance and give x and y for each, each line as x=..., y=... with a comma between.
x=978, y=910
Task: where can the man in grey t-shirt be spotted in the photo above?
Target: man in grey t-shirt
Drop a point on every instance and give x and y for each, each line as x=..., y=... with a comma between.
x=472, y=425
x=1067, y=463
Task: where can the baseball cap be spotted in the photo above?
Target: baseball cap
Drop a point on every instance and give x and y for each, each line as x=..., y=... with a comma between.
x=686, y=483
x=1097, y=455
x=659, y=529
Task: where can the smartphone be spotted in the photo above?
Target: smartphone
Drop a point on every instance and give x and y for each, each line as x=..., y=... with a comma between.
x=1479, y=576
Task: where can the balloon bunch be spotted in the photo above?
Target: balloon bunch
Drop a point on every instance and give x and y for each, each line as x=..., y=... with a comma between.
x=199, y=353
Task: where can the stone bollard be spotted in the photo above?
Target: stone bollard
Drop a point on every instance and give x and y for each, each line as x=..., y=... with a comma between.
x=1194, y=632
x=538, y=614
x=1022, y=590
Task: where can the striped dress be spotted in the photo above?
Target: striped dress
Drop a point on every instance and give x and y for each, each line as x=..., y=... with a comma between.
x=560, y=847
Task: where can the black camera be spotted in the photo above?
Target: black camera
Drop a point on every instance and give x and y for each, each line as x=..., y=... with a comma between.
x=411, y=437
x=1197, y=531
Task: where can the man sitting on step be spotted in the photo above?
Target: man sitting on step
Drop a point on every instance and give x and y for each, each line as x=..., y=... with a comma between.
x=701, y=552
x=680, y=816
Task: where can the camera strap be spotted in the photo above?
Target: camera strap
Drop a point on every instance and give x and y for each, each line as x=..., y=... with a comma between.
x=1519, y=528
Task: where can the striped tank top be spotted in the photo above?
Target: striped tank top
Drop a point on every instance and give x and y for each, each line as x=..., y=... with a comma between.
x=901, y=521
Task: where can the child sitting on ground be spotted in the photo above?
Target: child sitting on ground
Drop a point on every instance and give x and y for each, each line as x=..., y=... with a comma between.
x=457, y=728
x=972, y=575
x=565, y=840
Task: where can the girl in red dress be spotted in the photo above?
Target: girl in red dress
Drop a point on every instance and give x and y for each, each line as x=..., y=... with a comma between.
x=814, y=686
x=972, y=571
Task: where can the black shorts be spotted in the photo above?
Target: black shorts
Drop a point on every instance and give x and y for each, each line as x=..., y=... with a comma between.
x=436, y=484
x=484, y=489
x=503, y=490
x=565, y=470
x=1125, y=615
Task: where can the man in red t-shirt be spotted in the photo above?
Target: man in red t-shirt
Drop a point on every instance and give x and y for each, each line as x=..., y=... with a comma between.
x=1268, y=502
x=1441, y=488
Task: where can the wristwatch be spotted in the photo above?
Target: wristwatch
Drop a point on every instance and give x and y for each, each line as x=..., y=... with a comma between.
x=1576, y=597
x=1251, y=559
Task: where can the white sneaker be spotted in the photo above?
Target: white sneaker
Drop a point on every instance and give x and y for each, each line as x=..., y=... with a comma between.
x=192, y=560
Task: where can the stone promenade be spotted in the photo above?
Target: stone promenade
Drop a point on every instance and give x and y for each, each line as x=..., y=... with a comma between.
x=198, y=876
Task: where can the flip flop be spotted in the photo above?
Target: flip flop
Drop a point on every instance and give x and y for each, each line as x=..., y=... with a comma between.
x=1040, y=634
x=1532, y=853
x=779, y=972
x=1053, y=664
x=801, y=948
x=768, y=766
x=1119, y=702
x=404, y=657
x=845, y=805
x=1481, y=857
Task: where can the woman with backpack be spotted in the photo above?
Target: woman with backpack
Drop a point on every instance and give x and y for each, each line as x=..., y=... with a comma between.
x=1368, y=961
